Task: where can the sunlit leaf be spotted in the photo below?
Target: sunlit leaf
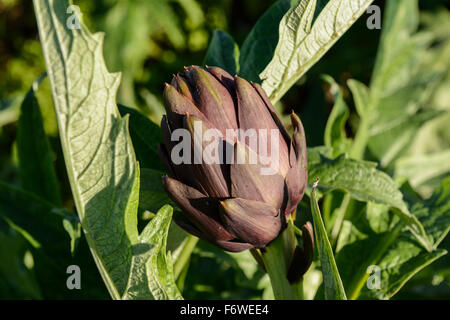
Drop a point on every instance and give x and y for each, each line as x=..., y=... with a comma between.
x=301, y=44
x=99, y=157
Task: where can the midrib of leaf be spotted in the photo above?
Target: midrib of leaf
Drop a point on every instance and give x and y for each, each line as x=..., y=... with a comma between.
x=276, y=88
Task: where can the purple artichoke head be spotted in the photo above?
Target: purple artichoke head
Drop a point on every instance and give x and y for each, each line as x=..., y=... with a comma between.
x=234, y=171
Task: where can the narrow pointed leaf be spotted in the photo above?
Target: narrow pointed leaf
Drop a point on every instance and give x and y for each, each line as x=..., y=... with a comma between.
x=37, y=173
x=333, y=288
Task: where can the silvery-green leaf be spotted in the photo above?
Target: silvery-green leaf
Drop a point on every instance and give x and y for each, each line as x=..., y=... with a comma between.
x=151, y=275
x=301, y=44
x=98, y=153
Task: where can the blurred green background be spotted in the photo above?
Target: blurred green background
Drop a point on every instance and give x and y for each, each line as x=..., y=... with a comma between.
x=148, y=41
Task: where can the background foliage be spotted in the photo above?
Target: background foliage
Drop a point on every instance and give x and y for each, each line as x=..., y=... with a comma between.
x=400, y=101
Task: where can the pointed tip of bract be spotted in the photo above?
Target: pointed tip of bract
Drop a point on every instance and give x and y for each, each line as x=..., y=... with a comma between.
x=296, y=122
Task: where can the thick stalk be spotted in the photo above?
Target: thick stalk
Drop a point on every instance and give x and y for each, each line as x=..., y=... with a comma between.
x=275, y=262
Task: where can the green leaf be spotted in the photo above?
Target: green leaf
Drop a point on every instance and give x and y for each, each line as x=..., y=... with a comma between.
x=400, y=263
x=376, y=238
x=333, y=287
x=223, y=52
x=152, y=195
x=37, y=173
x=194, y=12
x=10, y=109
x=400, y=21
x=99, y=156
x=335, y=136
x=259, y=46
x=394, y=136
x=420, y=170
x=151, y=268
x=364, y=182
x=145, y=136
x=301, y=45
x=17, y=281
x=360, y=95
x=434, y=213
x=405, y=78
x=360, y=178
x=41, y=221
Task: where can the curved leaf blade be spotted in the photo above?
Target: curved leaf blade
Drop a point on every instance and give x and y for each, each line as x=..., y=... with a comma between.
x=37, y=173
x=149, y=278
x=100, y=160
x=302, y=45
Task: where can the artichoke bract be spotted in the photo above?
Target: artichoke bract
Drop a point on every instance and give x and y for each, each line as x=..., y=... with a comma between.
x=234, y=171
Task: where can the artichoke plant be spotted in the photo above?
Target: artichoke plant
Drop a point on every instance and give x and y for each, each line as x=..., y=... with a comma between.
x=227, y=203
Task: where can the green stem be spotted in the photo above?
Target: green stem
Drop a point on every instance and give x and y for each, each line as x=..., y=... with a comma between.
x=185, y=254
x=298, y=290
x=275, y=262
x=339, y=218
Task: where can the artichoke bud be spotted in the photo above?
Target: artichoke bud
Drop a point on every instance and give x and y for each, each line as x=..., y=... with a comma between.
x=235, y=172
